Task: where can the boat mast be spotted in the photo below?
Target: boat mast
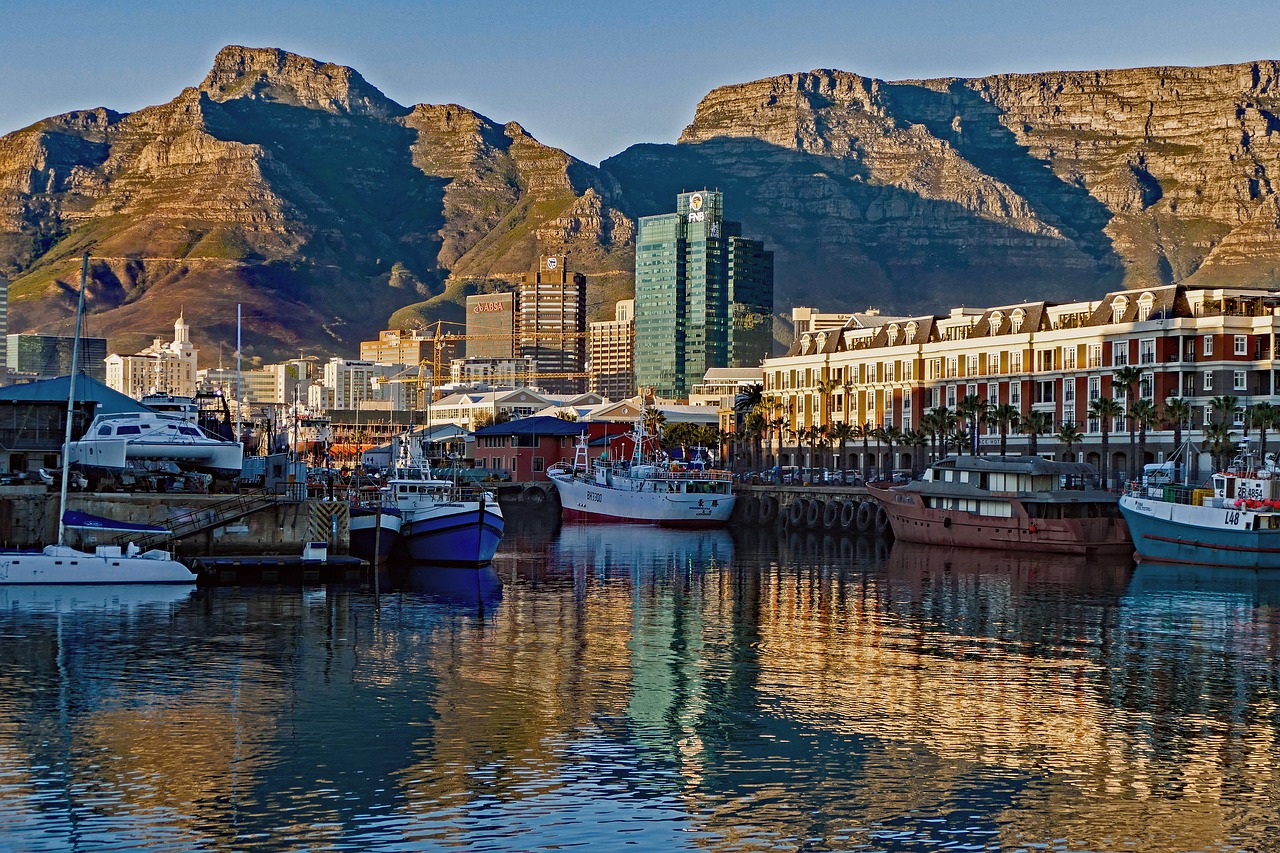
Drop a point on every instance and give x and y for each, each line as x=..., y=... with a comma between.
x=71, y=402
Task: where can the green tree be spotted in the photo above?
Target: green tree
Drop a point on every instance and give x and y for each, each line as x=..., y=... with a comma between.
x=1069, y=435
x=1265, y=417
x=1224, y=407
x=1219, y=440
x=916, y=439
x=971, y=409
x=1005, y=417
x=1106, y=410
x=1124, y=379
x=1034, y=425
x=843, y=433
x=1145, y=414
x=1177, y=414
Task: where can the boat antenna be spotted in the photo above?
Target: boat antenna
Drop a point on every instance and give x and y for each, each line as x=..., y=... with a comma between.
x=71, y=402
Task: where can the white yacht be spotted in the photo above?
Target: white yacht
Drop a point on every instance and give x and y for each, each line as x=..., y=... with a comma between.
x=113, y=441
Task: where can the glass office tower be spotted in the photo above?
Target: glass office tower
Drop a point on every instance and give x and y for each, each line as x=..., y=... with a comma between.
x=704, y=296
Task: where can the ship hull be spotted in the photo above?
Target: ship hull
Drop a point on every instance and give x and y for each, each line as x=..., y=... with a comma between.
x=1200, y=535
x=374, y=534
x=62, y=565
x=458, y=534
x=587, y=501
x=913, y=522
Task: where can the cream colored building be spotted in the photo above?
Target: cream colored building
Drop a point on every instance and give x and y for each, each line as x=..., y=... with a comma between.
x=161, y=368
x=1197, y=344
x=611, y=352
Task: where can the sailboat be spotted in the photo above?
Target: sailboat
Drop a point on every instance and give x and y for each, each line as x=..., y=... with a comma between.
x=108, y=564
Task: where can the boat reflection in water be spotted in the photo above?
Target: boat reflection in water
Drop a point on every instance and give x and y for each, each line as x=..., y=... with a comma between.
x=1073, y=573
x=453, y=584
x=84, y=598
x=633, y=546
x=1201, y=584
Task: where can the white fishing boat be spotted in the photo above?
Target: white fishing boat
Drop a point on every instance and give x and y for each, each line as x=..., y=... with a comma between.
x=108, y=564
x=648, y=488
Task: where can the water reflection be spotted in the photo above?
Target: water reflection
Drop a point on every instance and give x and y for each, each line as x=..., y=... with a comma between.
x=631, y=687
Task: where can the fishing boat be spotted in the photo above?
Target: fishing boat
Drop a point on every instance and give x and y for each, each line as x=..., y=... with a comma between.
x=114, y=441
x=108, y=564
x=1024, y=503
x=1232, y=522
x=441, y=522
x=648, y=488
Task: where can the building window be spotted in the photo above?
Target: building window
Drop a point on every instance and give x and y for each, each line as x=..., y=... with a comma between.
x=1118, y=307
x=1095, y=387
x=1237, y=419
x=953, y=366
x=1147, y=386
x=906, y=400
x=1068, y=358
x=1208, y=416
x=1144, y=306
x=971, y=390
x=971, y=367
x=1068, y=390
x=1044, y=391
x=1015, y=362
x=951, y=396
x=1208, y=345
x=936, y=401
x=1015, y=393
x=1147, y=351
x=993, y=364
x=1238, y=380
x=1119, y=353
x=1016, y=318
x=1095, y=425
x=997, y=318
x=1242, y=344
x=1095, y=355
x=993, y=392
x=538, y=463
x=1207, y=380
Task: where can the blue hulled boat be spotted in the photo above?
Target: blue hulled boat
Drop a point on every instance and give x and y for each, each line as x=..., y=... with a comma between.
x=442, y=522
x=1234, y=523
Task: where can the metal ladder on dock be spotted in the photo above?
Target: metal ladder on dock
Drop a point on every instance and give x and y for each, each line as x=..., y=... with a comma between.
x=204, y=518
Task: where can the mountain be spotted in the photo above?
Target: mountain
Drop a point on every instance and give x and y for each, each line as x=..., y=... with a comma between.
x=296, y=189
x=291, y=187
x=918, y=195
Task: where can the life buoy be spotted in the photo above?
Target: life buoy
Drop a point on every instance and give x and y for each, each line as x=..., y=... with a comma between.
x=831, y=515
x=865, y=516
x=1031, y=528
x=768, y=508
x=795, y=512
x=882, y=521
x=813, y=513
x=848, y=515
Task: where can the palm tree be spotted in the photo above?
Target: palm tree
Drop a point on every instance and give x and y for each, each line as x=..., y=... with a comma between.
x=1105, y=410
x=1145, y=414
x=654, y=421
x=754, y=426
x=959, y=438
x=866, y=432
x=1125, y=378
x=971, y=408
x=1225, y=406
x=1220, y=442
x=1034, y=425
x=827, y=388
x=778, y=429
x=1069, y=435
x=843, y=433
x=889, y=436
x=1177, y=412
x=915, y=439
x=1264, y=416
x=747, y=399
x=941, y=421
x=1005, y=417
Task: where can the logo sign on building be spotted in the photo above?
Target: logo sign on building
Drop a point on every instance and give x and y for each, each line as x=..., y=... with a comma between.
x=552, y=263
x=487, y=307
x=696, y=214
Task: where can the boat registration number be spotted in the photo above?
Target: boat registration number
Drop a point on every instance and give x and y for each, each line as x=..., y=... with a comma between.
x=595, y=497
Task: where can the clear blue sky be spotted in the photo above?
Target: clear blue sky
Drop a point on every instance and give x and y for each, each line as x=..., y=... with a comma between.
x=593, y=77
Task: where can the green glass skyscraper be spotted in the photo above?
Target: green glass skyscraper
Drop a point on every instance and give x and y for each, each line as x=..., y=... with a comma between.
x=704, y=296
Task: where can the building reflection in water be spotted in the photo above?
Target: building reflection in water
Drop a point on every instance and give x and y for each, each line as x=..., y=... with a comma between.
x=680, y=690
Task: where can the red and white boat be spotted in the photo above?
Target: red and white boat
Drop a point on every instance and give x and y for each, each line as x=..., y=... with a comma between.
x=646, y=489
x=1019, y=503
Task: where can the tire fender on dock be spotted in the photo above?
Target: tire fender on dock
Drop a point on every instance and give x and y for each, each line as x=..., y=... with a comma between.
x=848, y=515
x=831, y=515
x=796, y=512
x=749, y=509
x=866, y=515
x=882, y=521
x=533, y=496
x=768, y=508
x=813, y=513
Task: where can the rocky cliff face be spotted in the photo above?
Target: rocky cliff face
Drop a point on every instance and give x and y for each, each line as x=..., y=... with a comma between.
x=921, y=194
x=296, y=189
x=291, y=187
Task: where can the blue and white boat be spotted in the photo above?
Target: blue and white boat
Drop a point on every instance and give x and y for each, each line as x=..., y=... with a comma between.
x=375, y=529
x=442, y=522
x=1234, y=522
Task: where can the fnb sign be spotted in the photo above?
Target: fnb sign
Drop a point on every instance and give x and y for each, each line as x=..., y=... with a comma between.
x=488, y=307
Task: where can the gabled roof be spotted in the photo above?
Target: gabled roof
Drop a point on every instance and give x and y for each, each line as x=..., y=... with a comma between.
x=88, y=389
x=999, y=320
x=1166, y=301
x=537, y=425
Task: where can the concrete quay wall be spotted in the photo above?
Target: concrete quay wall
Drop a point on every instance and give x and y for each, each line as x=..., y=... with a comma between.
x=29, y=519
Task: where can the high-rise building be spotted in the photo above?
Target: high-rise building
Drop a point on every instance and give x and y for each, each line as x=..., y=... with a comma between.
x=704, y=296
x=39, y=357
x=4, y=326
x=491, y=325
x=162, y=368
x=552, y=326
x=611, y=351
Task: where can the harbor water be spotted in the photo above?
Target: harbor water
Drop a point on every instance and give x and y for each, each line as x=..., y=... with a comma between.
x=608, y=688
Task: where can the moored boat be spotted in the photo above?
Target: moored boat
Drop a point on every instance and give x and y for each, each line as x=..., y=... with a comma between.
x=1235, y=522
x=647, y=489
x=1014, y=503
x=375, y=530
